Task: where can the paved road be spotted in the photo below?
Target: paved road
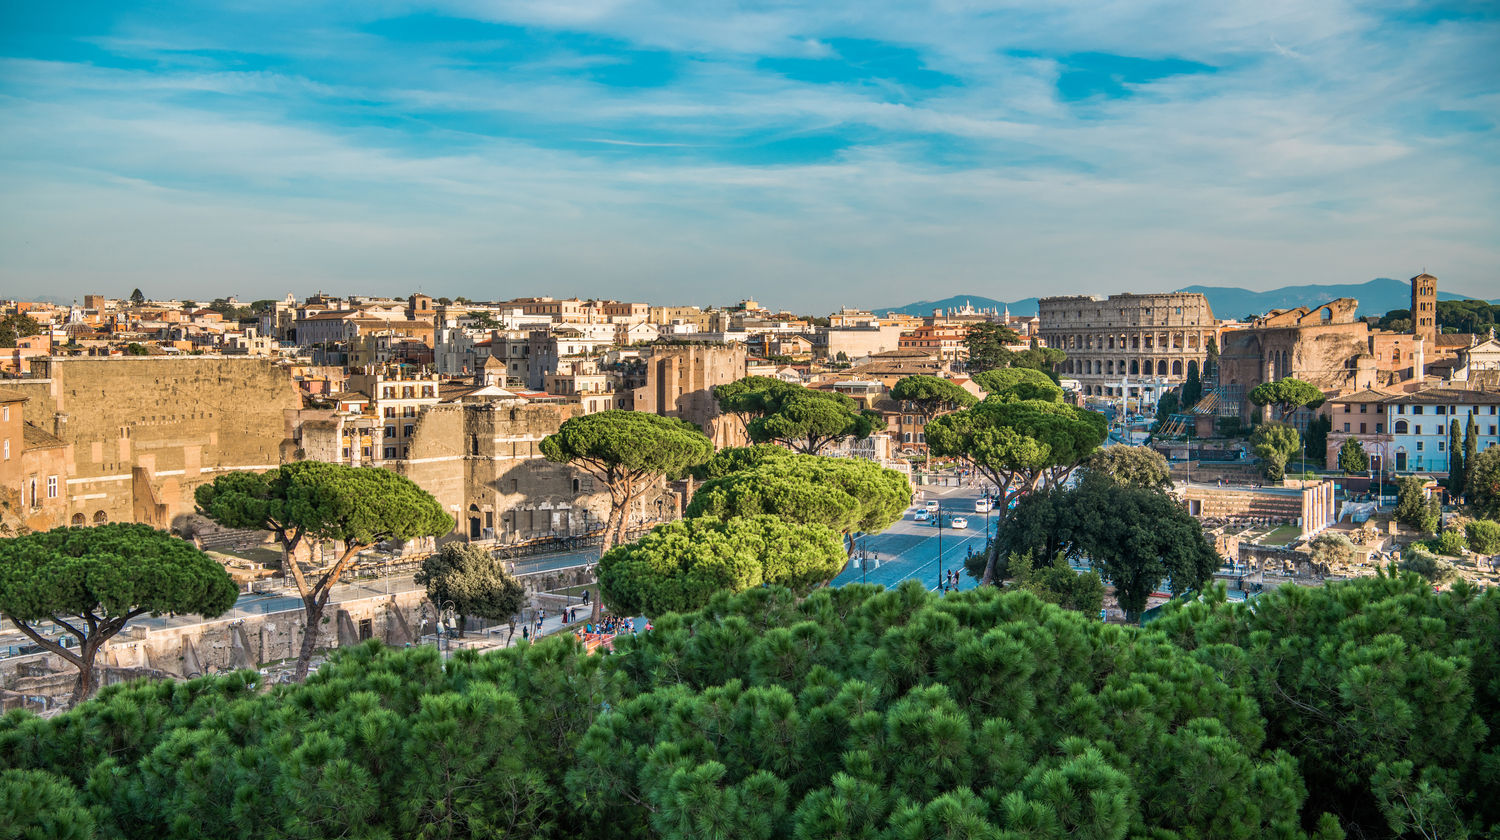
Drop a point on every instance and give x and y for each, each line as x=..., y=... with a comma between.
x=909, y=549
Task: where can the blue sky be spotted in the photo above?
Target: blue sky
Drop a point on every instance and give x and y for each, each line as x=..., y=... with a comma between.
x=809, y=155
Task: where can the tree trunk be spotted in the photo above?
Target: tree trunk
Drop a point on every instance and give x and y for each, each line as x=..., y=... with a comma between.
x=85, y=686
x=313, y=609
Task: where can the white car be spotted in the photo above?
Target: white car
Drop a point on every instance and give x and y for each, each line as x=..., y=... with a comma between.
x=932, y=505
x=983, y=505
x=958, y=523
x=923, y=515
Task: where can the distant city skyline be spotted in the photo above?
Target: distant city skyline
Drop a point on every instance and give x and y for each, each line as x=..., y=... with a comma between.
x=866, y=154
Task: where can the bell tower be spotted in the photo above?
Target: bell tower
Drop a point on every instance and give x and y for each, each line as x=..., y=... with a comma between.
x=1424, y=308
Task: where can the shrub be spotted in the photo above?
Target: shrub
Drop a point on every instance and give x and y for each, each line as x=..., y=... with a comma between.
x=1484, y=536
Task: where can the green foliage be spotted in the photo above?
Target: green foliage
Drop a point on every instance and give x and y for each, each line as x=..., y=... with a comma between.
x=753, y=396
x=1018, y=384
x=1467, y=316
x=135, y=348
x=1352, y=457
x=1057, y=583
x=1483, y=491
x=1381, y=689
x=37, y=805
x=1275, y=443
x=1165, y=408
x=1471, y=452
x=1211, y=358
x=92, y=581
x=986, y=344
x=1192, y=389
x=1456, y=476
x=1450, y=542
x=854, y=712
x=1134, y=537
x=473, y=580
x=933, y=394
x=1419, y=559
x=1128, y=466
x=845, y=494
x=316, y=501
x=809, y=421
x=1483, y=535
x=16, y=326
x=1286, y=395
x=734, y=459
x=137, y=297
x=1315, y=444
x=1332, y=549
x=1018, y=445
x=484, y=320
x=1413, y=509
x=629, y=452
x=680, y=566
x=1229, y=426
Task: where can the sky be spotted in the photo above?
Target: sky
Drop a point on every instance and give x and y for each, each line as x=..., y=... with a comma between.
x=808, y=155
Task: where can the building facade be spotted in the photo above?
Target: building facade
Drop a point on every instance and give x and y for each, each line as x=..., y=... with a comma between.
x=1127, y=337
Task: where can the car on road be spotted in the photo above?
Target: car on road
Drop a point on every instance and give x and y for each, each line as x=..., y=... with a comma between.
x=923, y=515
x=959, y=523
x=932, y=505
x=983, y=505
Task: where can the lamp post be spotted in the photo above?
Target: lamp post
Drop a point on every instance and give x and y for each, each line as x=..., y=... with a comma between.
x=940, y=544
x=447, y=622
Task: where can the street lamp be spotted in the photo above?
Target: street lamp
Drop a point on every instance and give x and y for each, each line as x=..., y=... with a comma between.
x=940, y=544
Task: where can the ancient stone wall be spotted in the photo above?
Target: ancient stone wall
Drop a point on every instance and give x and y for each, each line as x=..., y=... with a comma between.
x=143, y=432
x=680, y=382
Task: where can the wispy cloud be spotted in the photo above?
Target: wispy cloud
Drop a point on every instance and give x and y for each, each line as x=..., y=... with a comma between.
x=814, y=155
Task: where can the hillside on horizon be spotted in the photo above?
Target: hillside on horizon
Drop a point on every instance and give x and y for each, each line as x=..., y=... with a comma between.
x=1376, y=297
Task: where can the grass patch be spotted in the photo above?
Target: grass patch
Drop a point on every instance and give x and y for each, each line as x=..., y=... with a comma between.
x=1281, y=535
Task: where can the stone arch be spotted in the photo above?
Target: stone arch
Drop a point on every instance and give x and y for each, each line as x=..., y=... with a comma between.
x=79, y=520
x=1135, y=367
x=100, y=517
x=1161, y=367
x=1177, y=367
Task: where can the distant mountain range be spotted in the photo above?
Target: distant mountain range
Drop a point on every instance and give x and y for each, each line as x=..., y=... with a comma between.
x=1376, y=297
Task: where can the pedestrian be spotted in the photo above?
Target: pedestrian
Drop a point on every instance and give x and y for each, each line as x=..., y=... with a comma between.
x=525, y=634
x=585, y=596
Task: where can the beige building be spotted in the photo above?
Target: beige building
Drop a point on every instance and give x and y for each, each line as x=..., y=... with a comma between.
x=1113, y=343
x=139, y=433
x=679, y=382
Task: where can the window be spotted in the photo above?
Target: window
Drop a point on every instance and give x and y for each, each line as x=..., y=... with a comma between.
x=365, y=451
x=6, y=447
x=1347, y=409
x=1439, y=410
x=1400, y=409
x=406, y=431
x=1419, y=446
x=1364, y=408
x=390, y=452
x=1441, y=445
x=1416, y=409
x=1346, y=427
x=390, y=411
x=1417, y=430
x=1361, y=428
x=1379, y=427
x=1492, y=430
x=6, y=415
x=390, y=431
x=388, y=393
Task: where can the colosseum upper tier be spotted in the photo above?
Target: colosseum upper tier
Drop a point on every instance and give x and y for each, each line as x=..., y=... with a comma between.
x=1127, y=336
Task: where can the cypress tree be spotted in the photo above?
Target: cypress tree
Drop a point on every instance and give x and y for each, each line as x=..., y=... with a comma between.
x=1193, y=388
x=1455, y=460
x=1471, y=451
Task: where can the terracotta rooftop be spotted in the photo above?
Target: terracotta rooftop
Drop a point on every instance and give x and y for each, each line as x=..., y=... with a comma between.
x=35, y=437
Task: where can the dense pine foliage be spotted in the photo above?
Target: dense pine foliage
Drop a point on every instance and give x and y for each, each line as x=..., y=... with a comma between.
x=853, y=712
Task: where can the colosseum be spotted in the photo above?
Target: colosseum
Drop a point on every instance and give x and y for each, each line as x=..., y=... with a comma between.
x=1117, y=343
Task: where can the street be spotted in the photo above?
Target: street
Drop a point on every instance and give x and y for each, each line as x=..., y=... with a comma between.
x=909, y=549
